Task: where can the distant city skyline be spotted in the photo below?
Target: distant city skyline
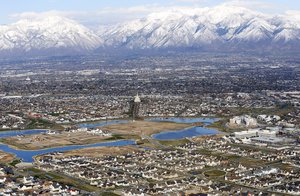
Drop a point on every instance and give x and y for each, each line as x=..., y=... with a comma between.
x=95, y=12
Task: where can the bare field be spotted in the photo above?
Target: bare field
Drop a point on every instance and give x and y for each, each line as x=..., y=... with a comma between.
x=206, y=137
x=144, y=127
x=5, y=157
x=42, y=141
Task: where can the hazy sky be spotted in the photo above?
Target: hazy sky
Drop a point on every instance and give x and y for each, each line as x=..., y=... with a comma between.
x=95, y=12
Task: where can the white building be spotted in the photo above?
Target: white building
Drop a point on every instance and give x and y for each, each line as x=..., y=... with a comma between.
x=250, y=133
x=267, y=133
x=246, y=134
x=243, y=121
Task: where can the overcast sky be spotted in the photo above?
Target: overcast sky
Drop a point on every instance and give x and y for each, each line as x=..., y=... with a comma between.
x=98, y=12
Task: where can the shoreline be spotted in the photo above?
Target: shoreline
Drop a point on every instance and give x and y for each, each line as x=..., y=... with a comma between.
x=10, y=130
x=102, y=142
x=214, y=134
x=188, y=126
x=19, y=149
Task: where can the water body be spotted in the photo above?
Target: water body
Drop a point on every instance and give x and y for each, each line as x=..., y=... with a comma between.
x=190, y=132
x=27, y=155
x=5, y=134
x=93, y=125
x=185, y=133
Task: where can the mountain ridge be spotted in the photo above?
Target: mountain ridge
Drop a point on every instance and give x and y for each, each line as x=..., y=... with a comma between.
x=221, y=28
x=206, y=27
x=50, y=34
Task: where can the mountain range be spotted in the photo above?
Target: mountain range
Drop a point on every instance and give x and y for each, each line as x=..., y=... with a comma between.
x=221, y=28
x=50, y=35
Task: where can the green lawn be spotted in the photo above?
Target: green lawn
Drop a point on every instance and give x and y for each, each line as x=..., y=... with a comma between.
x=214, y=173
x=42, y=124
x=15, y=162
x=231, y=156
x=220, y=125
x=115, y=137
x=204, y=151
x=34, y=170
x=108, y=194
x=173, y=142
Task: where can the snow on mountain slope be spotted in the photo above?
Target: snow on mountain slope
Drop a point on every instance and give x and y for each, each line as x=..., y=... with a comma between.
x=50, y=33
x=255, y=30
x=288, y=28
x=219, y=28
x=201, y=27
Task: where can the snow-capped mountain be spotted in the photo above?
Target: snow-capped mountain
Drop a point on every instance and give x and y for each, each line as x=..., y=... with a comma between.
x=221, y=28
x=50, y=34
x=218, y=27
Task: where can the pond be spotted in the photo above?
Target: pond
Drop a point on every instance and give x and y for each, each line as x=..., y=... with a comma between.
x=185, y=133
x=27, y=155
x=5, y=134
x=93, y=125
x=206, y=121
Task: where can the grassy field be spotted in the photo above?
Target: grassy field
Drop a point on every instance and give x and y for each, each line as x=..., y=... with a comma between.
x=204, y=151
x=122, y=137
x=33, y=170
x=108, y=194
x=42, y=124
x=15, y=162
x=231, y=156
x=214, y=173
x=220, y=125
x=173, y=143
x=249, y=162
x=146, y=143
x=288, y=168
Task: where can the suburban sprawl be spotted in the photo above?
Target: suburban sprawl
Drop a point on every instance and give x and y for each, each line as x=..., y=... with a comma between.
x=182, y=124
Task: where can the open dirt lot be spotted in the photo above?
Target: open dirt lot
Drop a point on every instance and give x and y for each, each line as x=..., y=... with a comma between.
x=41, y=141
x=144, y=127
x=5, y=157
